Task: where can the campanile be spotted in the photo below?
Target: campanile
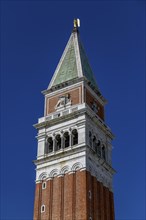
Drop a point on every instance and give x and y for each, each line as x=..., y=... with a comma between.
x=74, y=156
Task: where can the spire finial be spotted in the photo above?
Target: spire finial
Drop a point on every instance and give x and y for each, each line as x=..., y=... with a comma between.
x=76, y=23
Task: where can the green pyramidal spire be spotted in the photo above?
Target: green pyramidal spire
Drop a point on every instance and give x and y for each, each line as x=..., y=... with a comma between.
x=68, y=67
x=73, y=63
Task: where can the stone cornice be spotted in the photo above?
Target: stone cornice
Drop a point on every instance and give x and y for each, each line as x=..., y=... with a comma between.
x=60, y=154
x=60, y=119
x=65, y=88
x=86, y=110
x=62, y=85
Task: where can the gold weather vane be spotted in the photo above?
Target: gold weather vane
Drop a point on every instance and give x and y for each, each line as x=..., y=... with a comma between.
x=76, y=22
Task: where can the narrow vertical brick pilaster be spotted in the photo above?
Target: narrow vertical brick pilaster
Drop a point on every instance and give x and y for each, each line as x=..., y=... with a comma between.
x=101, y=201
x=112, y=214
x=74, y=196
x=45, y=201
x=88, y=188
x=98, y=201
x=68, y=197
x=56, y=198
x=37, y=202
x=108, y=204
x=95, y=199
x=81, y=207
x=105, y=203
x=62, y=199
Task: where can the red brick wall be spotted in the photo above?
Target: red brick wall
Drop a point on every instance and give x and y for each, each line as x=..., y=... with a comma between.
x=67, y=198
x=111, y=202
x=95, y=200
x=90, y=99
x=80, y=194
x=98, y=195
x=107, y=203
x=89, y=194
x=44, y=200
x=101, y=201
x=56, y=199
x=49, y=199
x=37, y=202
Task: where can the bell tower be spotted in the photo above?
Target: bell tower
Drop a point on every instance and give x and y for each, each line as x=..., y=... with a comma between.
x=74, y=158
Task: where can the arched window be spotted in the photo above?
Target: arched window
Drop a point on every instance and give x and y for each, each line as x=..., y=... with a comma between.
x=43, y=208
x=66, y=139
x=74, y=137
x=90, y=138
x=44, y=185
x=99, y=148
x=50, y=144
x=58, y=142
x=94, y=143
x=103, y=152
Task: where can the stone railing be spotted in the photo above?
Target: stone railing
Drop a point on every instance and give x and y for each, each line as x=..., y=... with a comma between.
x=63, y=112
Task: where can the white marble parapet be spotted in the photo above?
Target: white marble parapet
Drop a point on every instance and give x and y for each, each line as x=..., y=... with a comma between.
x=63, y=112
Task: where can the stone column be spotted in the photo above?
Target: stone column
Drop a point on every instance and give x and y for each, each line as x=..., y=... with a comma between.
x=70, y=138
x=62, y=141
x=53, y=143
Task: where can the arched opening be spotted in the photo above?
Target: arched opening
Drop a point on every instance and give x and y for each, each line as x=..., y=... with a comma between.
x=50, y=144
x=74, y=137
x=66, y=139
x=90, y=138
x=58, y=142
x=43, y=208
x=94, y=143
x=103, y=152
x=44, y=185
x=98, y=148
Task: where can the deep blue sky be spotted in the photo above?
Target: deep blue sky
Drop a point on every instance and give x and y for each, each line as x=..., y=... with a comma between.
x=33, y=36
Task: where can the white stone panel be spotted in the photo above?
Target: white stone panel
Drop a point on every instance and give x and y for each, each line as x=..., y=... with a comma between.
x=41, y=147
x=81, y=135
x=62, y=165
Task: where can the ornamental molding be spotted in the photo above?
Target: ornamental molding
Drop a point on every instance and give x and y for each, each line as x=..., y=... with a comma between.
x=101, y=174
x=98, y=173
x=61, y=119
x=64, y=86
x=61, y=172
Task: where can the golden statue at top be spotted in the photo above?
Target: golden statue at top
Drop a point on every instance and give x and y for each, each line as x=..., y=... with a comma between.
x=76, y=22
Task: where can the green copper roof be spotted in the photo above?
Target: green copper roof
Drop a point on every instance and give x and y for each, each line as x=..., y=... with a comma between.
x=87, y=71
x=68, y=68
x=74, y=63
